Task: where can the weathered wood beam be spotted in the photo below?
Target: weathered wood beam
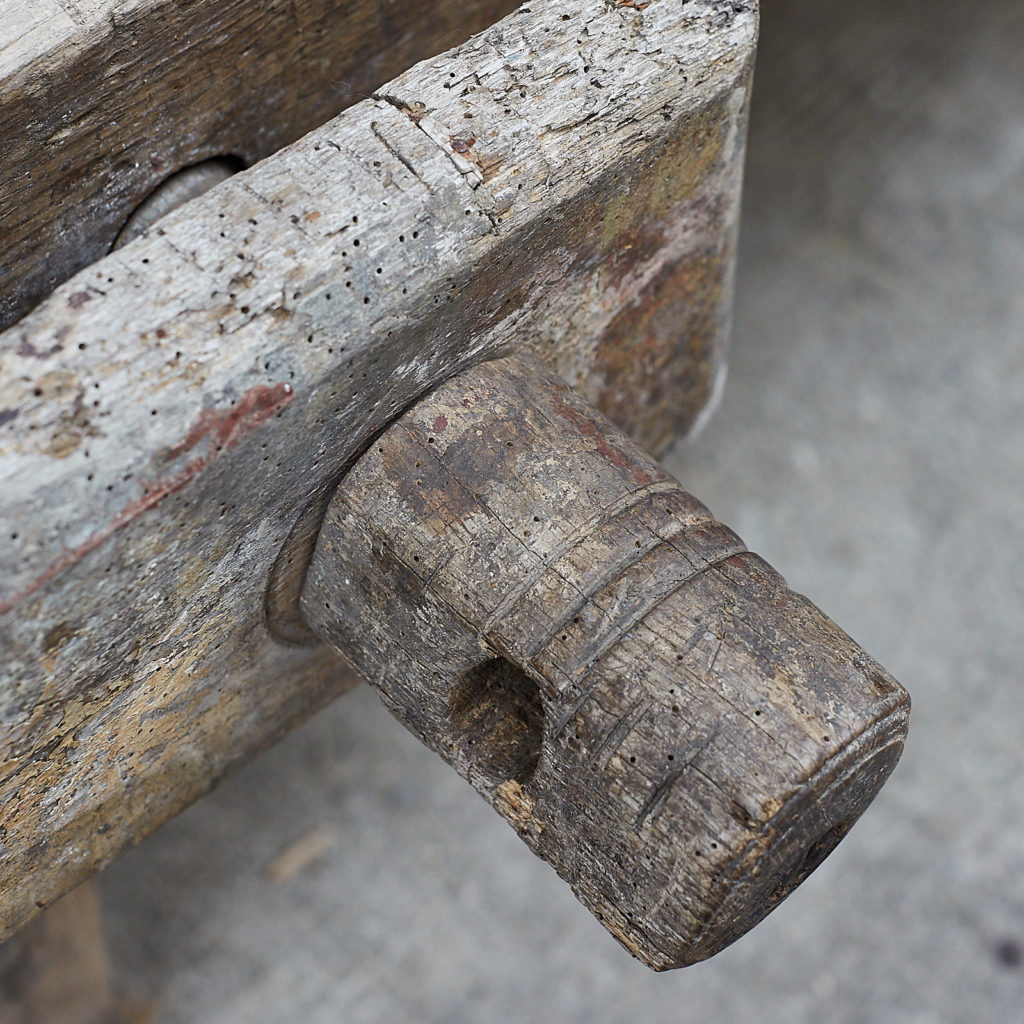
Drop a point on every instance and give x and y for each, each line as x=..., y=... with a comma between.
x=101, y=100
x=174, y=419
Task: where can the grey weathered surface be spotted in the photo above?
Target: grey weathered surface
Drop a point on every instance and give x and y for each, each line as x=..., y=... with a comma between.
x=871, y=445
x=652, y=709
x=173, y=418
x=102, y=100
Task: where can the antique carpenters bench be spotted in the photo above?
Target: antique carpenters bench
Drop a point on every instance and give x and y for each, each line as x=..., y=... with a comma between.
x=325, y=407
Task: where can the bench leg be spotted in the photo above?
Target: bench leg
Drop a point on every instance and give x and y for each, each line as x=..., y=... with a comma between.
x=55, y=970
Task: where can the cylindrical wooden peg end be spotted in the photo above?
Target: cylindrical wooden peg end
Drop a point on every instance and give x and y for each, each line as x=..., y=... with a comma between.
x=680, y=735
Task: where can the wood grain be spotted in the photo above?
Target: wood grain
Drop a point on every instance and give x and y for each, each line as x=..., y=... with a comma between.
x=657, y=715
x=174, y=419
x=102, y=100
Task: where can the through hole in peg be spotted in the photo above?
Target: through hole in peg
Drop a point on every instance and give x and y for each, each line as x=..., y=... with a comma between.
x=497, y=712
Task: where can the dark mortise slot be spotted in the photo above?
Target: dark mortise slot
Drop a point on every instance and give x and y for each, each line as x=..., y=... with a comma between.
x=496, y=708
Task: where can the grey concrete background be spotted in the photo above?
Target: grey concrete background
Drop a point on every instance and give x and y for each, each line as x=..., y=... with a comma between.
x=870, y=445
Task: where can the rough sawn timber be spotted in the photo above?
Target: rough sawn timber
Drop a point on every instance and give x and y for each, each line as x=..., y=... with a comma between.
x=683, y=737
x=174, y=418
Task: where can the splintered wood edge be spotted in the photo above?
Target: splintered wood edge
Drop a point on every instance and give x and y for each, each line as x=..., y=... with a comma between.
x=167, y=416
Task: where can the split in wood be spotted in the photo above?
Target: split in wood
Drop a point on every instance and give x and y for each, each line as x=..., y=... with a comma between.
x=681, y=736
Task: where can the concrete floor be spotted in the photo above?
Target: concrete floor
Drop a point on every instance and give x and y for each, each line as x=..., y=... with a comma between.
x=871, y=446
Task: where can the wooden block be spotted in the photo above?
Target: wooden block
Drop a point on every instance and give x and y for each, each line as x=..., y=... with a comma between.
x=56, y=970
x=174, y=419
x=102, y=100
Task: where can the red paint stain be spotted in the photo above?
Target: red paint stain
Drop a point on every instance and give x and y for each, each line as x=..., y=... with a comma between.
x=440, y=424
x=225, y=427
x=588, y=428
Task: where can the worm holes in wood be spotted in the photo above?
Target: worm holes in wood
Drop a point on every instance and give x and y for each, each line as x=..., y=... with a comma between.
x=174, y=191
x=498, y=719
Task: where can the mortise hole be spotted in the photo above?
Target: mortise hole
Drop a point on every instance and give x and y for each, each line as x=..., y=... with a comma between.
x=497, y=712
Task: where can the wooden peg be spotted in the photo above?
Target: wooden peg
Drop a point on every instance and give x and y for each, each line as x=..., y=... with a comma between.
x=681, y=736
